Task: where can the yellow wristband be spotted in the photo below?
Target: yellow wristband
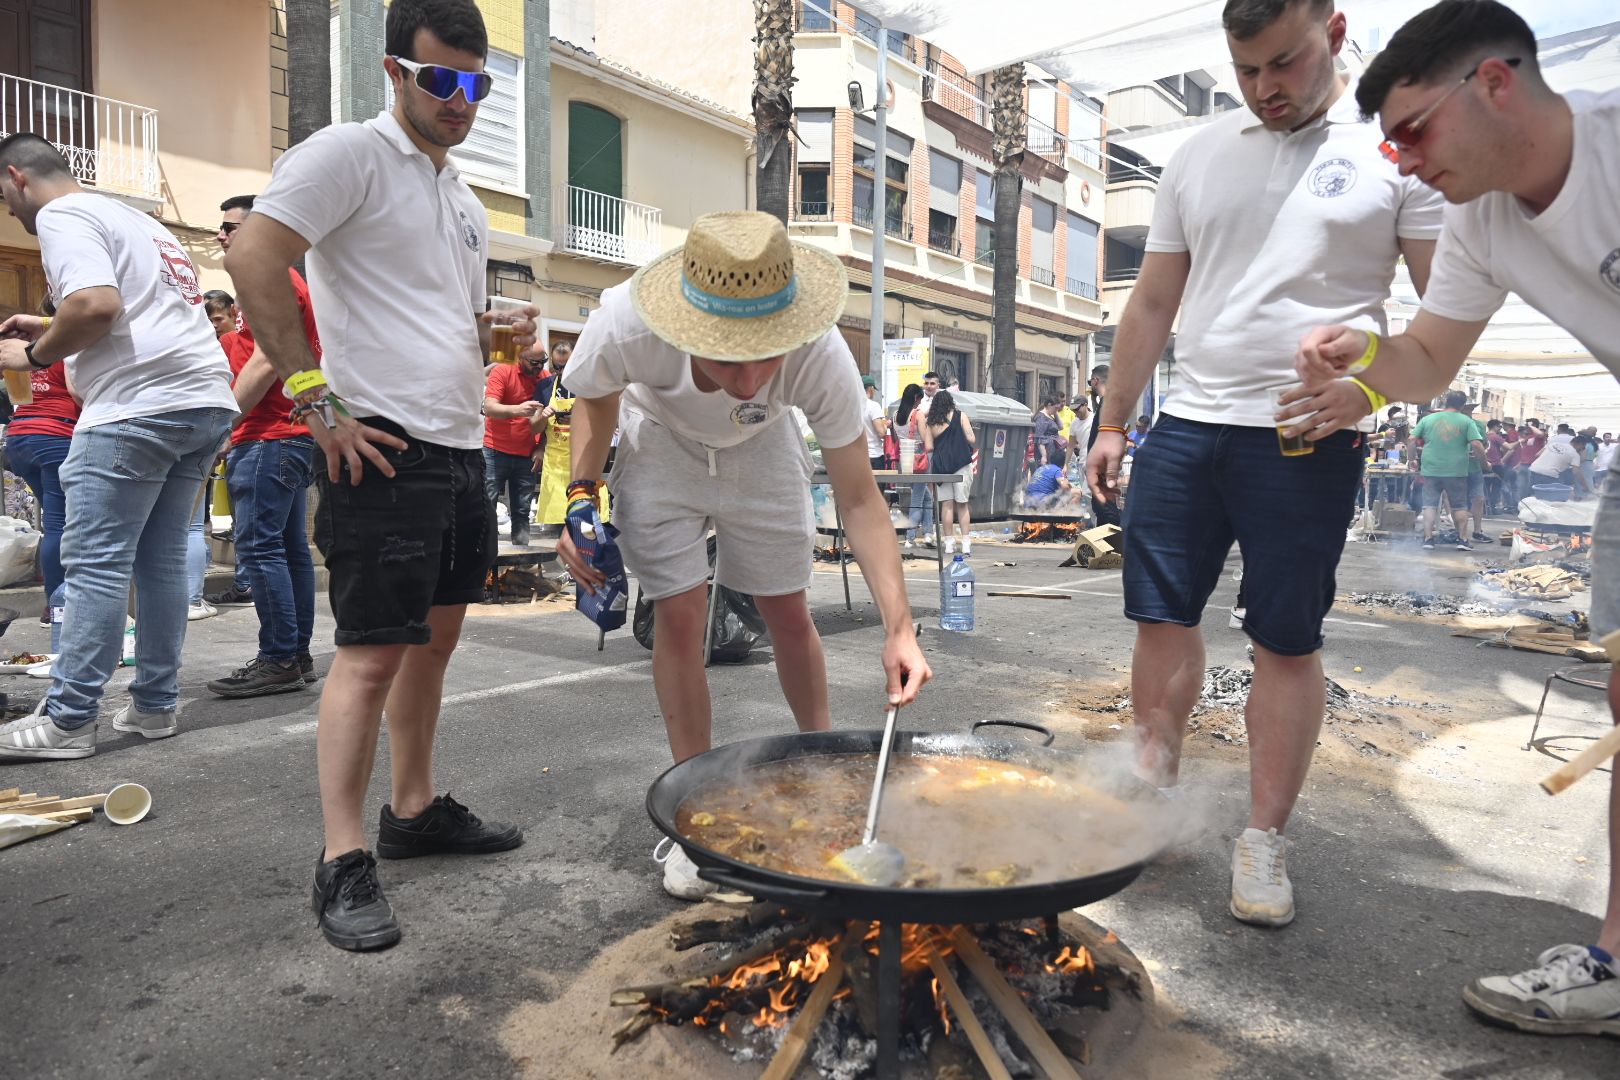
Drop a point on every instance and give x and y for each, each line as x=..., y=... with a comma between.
x=1374, y=398
x=299, y=382
x=44, y=322
x=1367, y=357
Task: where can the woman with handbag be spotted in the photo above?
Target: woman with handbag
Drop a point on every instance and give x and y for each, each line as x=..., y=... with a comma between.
x=947, y=436
x=920, y=508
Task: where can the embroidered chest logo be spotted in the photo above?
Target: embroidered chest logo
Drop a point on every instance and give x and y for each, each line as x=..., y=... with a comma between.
x=749, y=413
x=177, y=271
x=1332, y=178
x=469, y=235
x=1610, y=270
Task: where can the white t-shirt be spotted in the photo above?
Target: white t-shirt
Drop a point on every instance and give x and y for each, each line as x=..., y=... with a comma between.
x=618, y=352
x=1564, y=262
x=396, y=270
x=874, y=416
x=161, y=355
x=1605, y=457
x=1555, y=459
x=1287, y=230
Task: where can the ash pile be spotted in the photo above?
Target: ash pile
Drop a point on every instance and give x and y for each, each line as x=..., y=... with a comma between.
x=1412, y=602
x=1225, y=694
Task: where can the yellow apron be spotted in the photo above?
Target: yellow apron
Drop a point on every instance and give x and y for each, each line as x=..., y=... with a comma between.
x=557, y=464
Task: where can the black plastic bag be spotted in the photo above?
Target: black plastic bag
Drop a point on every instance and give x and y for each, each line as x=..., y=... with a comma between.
x=738, y=626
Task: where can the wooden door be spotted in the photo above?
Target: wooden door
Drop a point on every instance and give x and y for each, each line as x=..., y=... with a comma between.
x=47, y=41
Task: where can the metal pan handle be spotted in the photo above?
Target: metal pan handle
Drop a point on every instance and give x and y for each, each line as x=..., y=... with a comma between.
x=1047, y=739
x=765, y=890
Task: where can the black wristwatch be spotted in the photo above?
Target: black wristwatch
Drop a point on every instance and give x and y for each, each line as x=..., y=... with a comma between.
x=28, y=351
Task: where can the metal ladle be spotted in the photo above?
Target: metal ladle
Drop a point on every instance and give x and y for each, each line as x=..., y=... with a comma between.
x=873, y=862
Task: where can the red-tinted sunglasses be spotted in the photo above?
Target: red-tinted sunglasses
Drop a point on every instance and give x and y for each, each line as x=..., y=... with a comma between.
x=1408, y=133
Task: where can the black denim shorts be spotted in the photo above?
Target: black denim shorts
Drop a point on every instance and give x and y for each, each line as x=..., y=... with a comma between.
x=397, y=547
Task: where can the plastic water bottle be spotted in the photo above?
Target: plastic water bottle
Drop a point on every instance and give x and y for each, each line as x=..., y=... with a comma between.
x=128, y=658
x=58, y=609
x=956, y=588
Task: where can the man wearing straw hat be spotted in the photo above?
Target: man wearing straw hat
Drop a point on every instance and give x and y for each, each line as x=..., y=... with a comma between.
x=708, y=349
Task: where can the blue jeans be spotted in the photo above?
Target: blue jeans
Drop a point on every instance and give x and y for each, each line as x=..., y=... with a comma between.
x=130, y=487
x=197, y=556
x=269, y=481
x=514, y=475
x=37, y=459
x=921, y=512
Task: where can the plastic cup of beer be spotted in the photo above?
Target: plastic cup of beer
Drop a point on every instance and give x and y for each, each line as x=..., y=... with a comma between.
x=505, y=312
x=1297, y=446
x=20, y=387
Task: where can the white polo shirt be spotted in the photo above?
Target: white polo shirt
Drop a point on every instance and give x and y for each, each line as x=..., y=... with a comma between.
x=396, y=270
x=1288, y=230
x=161, y=355
x=618, y=352
x=1565, y=261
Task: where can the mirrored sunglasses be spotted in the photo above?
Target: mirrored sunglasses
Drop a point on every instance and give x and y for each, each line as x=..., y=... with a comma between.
x=443, y=82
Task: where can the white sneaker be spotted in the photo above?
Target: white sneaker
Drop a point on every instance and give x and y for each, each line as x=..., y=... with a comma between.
x=967, y=546
x=202, y=609
x=37, y=736
x=1572, y=990
x=950, y=546
x=1261, y=891
x=154, y=725
x=1236, y=620
x=680, y=873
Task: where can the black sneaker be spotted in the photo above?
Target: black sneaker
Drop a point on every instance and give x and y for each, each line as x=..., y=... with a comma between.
x=259, y=677
x=444, y=828
x=1463, y=545
x=1481, y=538
x=306, y=667
x=521, y=539
x=349, y=903
x=1428, y=544
x=231, y=597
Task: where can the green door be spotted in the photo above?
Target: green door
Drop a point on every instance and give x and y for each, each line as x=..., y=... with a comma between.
x=595, y=179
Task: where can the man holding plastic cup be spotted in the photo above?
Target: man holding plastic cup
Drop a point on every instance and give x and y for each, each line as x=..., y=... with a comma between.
x=397, y=247
x=1307, y=218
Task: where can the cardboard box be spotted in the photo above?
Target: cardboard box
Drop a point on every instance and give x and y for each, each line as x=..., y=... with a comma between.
x=1396, y=519
x=221, y=552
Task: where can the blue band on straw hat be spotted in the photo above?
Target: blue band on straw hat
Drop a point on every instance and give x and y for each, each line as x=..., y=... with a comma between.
x=731, y=307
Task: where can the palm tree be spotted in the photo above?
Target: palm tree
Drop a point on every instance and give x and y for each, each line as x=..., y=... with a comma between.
x=773, y=105
x=309, y=71
x=1007, y=123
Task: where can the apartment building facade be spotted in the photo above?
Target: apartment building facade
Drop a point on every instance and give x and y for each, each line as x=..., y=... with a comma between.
x=108, y=82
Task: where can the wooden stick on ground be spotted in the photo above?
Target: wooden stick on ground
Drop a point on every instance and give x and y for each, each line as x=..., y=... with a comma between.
x=797, y=1041
x=40, y=806
x=1031, y=595
x=964, y=1016
x=730, y=927
x=681, y=990
x=83, y=813
x=9, y=794
x=1006, y=1000
x=1583, y=763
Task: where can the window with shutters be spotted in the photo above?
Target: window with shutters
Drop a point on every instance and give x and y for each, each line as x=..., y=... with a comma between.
x=493, y=154
x=815, y=161
x=896, y=177
x=944, y=201
x=1042, y=242
x=1082, y=256
x=984, y=213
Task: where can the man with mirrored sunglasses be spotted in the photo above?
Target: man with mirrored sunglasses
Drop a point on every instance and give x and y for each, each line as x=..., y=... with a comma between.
x=1533, y=179
x=397, y=247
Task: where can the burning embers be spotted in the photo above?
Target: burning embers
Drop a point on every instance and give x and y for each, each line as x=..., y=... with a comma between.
x=790, y=988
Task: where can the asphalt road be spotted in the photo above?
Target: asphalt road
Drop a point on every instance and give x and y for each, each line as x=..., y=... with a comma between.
x=185, y=946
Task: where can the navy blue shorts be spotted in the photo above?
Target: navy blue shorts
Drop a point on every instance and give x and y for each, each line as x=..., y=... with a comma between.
x=1196, y=487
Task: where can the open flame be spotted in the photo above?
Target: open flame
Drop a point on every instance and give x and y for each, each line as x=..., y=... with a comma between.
x=1030, y=532
x=1072, y=961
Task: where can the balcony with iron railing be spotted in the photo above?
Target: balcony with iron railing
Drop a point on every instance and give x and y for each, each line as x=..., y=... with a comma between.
x=1046, y=141
x=1042, y=276
x=895, y=226
x=944, y=240
x=1079, y=287
x=603, y=227
x=955, y=91
x=809, y=210
x=110, y=145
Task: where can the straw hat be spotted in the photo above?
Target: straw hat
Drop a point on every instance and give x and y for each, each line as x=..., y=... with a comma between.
x=740, y=290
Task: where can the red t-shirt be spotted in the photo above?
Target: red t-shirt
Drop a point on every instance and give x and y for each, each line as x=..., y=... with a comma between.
x=53, y=411
x=268, y=419
x=510, y=385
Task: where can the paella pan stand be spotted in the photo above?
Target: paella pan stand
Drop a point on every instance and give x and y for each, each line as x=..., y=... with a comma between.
x=890, y=907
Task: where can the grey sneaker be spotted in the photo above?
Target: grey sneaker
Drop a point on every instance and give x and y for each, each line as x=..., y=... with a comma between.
x=1572, y=990
x=1261, y=891
x=306, y=667
x=37, y=736
x=153, y=725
